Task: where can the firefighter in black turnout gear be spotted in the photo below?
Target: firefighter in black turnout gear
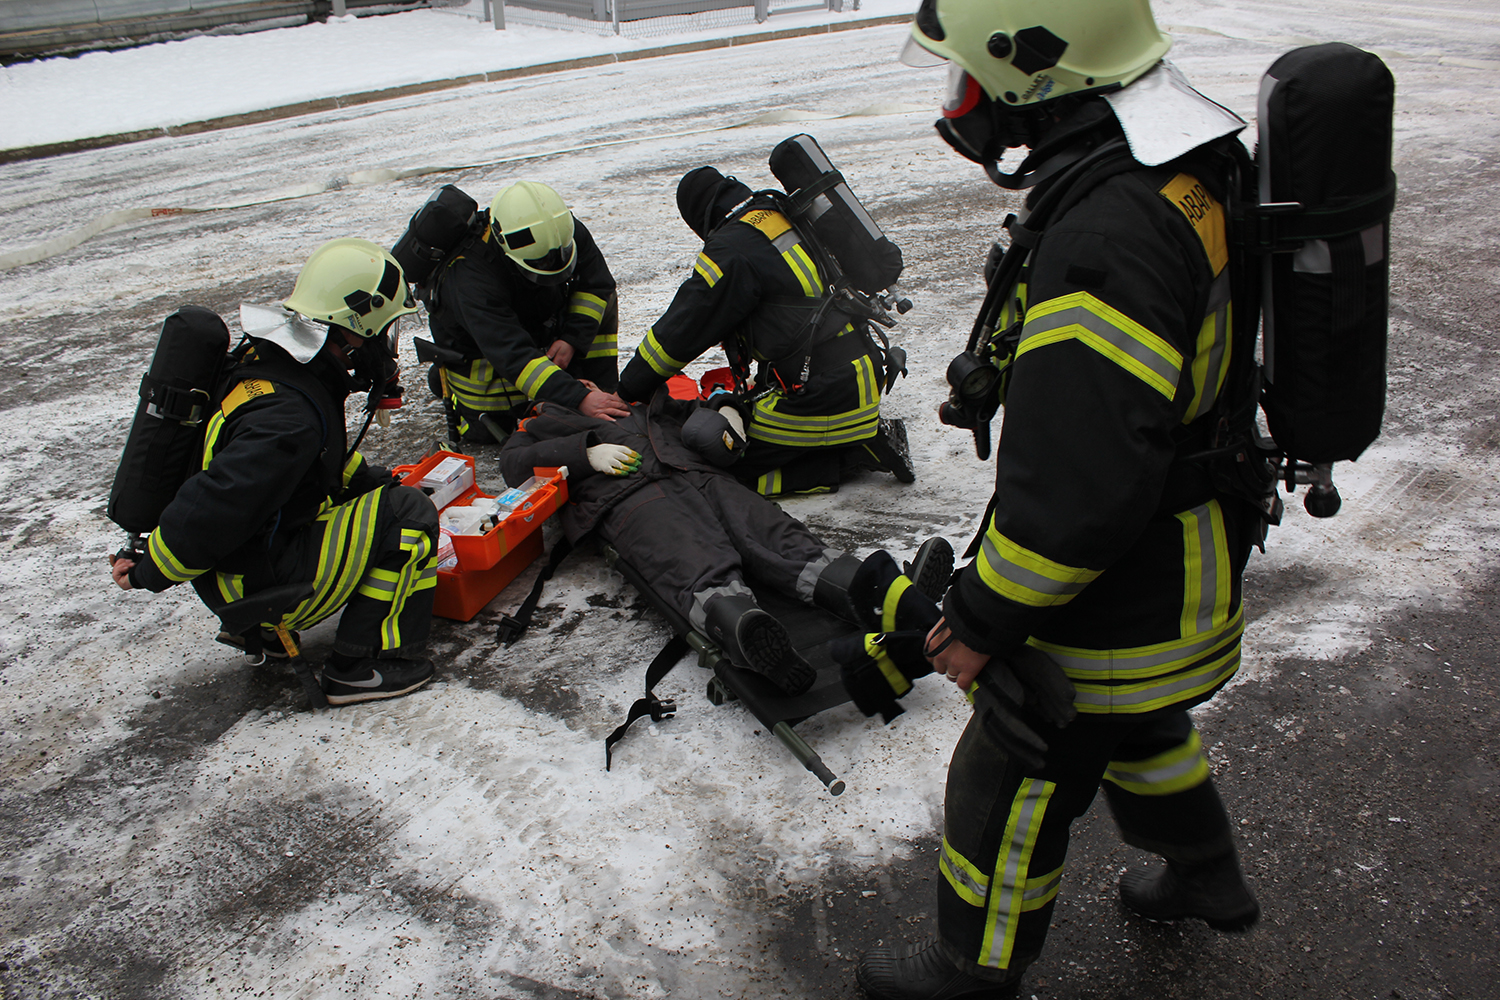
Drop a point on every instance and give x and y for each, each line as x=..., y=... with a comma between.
x=650, y=484
x=754, y=290
x=526, y=309
x=279, y=501
x=1103, y=547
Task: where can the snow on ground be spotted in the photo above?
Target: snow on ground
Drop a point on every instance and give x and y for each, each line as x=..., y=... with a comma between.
x=466, y=840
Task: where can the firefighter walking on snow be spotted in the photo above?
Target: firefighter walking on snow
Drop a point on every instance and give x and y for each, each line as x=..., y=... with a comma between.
x=1103, y=546
x=524, y=311
x=278, y=500
x=755, y=290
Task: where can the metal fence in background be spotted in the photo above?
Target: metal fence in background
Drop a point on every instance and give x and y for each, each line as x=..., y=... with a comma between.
x=636, y=18
x=33, y=28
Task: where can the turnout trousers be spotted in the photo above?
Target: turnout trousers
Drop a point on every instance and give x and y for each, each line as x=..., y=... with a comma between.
x=698, y=535
x=374, y=556
x=1006, y=826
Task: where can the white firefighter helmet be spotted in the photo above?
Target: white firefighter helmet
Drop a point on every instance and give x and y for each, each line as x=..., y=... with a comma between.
x=1027, y=51
x=354, y=284
x=535, y=228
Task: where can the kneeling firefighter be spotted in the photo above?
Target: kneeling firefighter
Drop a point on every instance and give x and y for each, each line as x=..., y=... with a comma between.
x=276, y=498
x=762, y=290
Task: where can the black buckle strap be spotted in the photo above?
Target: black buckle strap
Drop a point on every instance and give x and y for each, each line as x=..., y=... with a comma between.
x=512, y=626
x=675, y=649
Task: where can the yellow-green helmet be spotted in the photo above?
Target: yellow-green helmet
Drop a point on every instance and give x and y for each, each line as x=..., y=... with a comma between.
x=535, y=228
x=1028, y=51
x=354, y=284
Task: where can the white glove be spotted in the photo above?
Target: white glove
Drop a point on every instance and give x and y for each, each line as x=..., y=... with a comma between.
x=736, y=421
x=614, y=459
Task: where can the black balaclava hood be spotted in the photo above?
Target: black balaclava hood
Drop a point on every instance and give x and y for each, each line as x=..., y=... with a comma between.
x=705, y=197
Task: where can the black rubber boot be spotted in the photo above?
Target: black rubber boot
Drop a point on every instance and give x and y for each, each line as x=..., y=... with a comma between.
x=1214, y=892
x=922, y=972
x=831, y=592
x=755, y=640
x=931, y=569
x=887, y=451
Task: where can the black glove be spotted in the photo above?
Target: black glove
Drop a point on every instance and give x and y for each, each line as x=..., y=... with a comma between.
x=1028, y=679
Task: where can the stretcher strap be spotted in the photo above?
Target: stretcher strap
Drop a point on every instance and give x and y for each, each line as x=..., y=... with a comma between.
x=675, y=649
x=512, y=626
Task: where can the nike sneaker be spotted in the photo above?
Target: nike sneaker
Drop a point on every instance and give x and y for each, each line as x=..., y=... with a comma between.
x=373, y=679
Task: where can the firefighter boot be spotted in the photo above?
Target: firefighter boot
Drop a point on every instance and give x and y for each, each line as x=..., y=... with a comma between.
x=756, y=641
x=923, y=972
x=1213, y=891
x=887, y=451
x=888, y=600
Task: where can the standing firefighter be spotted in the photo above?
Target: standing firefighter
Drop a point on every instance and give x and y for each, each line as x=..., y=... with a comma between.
x=755, y=290
x=522, y=312
x=1103, y=547
x=277, y=500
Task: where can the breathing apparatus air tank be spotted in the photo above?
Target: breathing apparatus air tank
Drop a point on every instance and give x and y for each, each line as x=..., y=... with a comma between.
x=165, y=444
x=820, y=199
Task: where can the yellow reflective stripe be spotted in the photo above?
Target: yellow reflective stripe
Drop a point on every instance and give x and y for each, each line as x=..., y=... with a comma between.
x=888, y=606
x=481, y=389
x=1206, y=587
x=1176, y=770
x=888, y=669
x=587, y=304
x=1079, y=316
x=351, y=467
x=769, y=424
x=1041, y=890
x=231, y=586
x=1211, y=354
x=379, y=584
x=418, y=573
x=1026, y=577
x=971, y=885
x=706, y=269
x=604, y=346
x=1161, y=692
x=535, y=375
x=347, y=544
x=166, y=560
x=211, y=437
x=1006, y=899
x=864, y=376
x=657, y=357
x=806, y=271
x=1137, y=662
x=769, y=485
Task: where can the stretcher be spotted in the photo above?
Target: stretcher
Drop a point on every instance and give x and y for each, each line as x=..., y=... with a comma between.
x=811, y=630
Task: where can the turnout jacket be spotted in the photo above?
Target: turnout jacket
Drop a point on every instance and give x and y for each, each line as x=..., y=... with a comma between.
x=1102, y=545
x=754, y=288
x=556, y=435
x=484, y=307
x=273, y=460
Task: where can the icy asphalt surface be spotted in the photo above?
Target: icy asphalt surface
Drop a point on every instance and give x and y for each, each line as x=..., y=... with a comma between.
x=173, y=824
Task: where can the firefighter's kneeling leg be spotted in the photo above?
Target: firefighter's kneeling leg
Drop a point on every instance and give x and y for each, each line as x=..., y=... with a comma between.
x=390, y=612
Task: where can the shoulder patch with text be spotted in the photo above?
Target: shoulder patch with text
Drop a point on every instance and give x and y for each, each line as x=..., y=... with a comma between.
x=1204, y=214
x=252, y=388
x=772, y=223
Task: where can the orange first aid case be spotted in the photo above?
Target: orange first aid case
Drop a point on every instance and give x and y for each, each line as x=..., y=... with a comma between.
x=487, y=562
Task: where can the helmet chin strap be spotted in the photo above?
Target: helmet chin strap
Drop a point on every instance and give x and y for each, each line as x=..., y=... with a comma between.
x=1022, y=178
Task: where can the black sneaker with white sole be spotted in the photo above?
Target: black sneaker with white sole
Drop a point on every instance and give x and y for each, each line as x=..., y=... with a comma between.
x=372, y=679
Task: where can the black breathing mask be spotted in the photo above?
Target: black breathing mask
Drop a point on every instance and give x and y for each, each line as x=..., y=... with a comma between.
x=375, y=371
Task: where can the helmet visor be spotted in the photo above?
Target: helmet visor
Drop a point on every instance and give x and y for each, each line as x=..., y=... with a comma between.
x=552, y=260
x=962, y=93
x=914, y=53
